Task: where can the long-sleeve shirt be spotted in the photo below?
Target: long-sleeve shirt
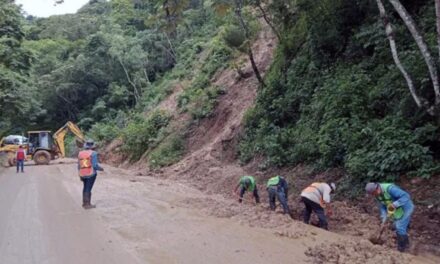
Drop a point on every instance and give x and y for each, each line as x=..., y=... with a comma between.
x=400, y=199
x=318, y=193
x=95, y=162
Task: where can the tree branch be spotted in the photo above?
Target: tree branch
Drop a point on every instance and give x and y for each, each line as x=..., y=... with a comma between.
x=266, y=18
x=390, y=35
x=411, y=25
x=437, y=14
x=135, y=90
x=238, y=4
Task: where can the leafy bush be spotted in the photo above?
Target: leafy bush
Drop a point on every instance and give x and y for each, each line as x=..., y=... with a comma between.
x=142, y=134
x=334, y=97
x=168, y=152
x=104, y=132
x=199, y=99
x=234, y=37
x=389, y=150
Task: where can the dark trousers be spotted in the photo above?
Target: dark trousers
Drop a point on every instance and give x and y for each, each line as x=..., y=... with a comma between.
x=243, y=190
x=20, y=164
x=88, y=184
x=274, y=193
x=311, y=206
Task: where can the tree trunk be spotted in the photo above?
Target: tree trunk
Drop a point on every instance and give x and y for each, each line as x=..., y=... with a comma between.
x=390, y=35
x=266, y=18
x=437, y=14
x=238, y=6
x=411, y=25
x=135, y=90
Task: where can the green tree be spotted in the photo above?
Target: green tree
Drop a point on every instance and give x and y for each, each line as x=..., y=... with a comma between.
x=17, y=104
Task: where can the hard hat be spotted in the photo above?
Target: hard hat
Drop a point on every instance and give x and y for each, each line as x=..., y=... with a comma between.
x=89, y=144
x=333, y=186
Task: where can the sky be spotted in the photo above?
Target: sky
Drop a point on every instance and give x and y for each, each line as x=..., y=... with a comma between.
x=45, y=8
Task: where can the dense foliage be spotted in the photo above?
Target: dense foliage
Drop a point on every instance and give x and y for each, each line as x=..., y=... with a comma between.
x=109, y=65
x=17, y=105
x=332, y=98
x=335, y=98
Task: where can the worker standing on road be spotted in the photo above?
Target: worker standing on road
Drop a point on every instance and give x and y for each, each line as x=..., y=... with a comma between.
x=316, y=198
x=396, y=203
x=88, y=167
x=277, y=187
x=20, y=157
x=247, y=183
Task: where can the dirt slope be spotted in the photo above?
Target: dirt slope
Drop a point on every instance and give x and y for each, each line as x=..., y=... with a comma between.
x=210, y=165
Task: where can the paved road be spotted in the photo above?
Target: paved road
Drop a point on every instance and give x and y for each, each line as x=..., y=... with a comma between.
x=41, y=223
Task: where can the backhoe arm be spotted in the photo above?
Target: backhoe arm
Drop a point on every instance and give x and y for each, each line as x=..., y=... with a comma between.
x=59, y=136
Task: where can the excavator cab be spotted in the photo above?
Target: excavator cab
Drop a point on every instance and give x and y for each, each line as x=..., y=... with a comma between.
x=41, y=146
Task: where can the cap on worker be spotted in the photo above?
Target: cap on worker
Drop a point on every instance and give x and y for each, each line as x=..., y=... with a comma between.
x=333, y=186
x=89, y=144
x=371, y=187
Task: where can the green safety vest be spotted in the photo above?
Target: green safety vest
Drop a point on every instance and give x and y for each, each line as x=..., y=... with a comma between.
x=385, y=198
x=252, y=186
x=273, y=181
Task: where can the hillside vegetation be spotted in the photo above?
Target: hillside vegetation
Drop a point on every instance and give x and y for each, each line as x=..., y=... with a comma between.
x=333, y=97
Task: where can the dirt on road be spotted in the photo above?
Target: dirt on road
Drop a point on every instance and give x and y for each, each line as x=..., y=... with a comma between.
x=211, y=169
x=141, y=219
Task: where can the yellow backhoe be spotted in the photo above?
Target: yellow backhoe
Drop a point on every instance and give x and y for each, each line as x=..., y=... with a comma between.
x=41, y=146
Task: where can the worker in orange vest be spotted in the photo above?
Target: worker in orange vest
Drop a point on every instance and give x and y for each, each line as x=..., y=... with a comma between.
x=316, y=198
x=20, y=157
x=88, y=168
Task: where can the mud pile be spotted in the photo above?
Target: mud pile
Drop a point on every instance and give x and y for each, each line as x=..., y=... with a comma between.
x=354, y=252
x=210, y=165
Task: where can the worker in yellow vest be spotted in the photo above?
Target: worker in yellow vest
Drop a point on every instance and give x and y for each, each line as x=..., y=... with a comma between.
x=394, y=203
x=277, y=187
x=316, y=198
x=247, y=184
x=88, y=168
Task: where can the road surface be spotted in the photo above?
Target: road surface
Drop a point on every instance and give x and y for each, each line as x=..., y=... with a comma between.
x=136, y=221
x=42, y=222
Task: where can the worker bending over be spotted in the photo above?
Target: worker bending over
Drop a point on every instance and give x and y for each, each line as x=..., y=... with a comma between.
x=396, y=204
x=277, y=187
x=316, y=198
x=247, y=183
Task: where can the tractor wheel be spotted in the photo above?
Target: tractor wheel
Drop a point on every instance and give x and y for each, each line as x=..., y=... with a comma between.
x=42, y=157
x=12, y=161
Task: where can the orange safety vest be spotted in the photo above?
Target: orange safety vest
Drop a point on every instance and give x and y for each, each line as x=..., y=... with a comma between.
x=313, y=188
x=85, y=163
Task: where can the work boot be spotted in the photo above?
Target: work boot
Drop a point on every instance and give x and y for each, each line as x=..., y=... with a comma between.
x=84, y=200
x=402, y=242
x=88, y=198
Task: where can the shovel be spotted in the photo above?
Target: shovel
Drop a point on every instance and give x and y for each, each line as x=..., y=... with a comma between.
x=377, y=240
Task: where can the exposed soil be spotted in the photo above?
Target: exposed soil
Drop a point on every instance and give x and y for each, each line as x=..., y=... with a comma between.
x=211, y=166
x=355, y=252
